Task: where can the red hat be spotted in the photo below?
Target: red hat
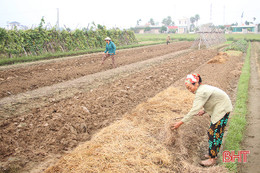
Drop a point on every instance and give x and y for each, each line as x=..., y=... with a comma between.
x=192, y=78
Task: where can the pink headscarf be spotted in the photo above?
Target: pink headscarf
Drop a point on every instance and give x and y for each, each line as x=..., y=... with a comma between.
x=192, y=78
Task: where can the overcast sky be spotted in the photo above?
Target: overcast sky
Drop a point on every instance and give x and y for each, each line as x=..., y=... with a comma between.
x=124, y=14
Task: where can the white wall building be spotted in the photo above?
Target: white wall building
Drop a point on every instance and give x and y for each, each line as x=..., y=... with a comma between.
x=183, y=25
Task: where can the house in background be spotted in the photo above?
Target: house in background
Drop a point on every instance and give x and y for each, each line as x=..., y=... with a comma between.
x=148, y=29
x=172, y=29
x=227, y=29
x=183, y=25
x=15, y=25
x=244, y=29
x=12, y=25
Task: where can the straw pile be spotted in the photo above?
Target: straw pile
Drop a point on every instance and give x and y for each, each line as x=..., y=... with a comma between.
x=220, y=58
x=142, y=140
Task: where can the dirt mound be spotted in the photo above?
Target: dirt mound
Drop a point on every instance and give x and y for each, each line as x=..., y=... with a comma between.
x=142, y=140
x=220, y=58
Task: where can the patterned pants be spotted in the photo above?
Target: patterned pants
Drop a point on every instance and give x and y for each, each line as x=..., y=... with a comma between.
x=216, y=133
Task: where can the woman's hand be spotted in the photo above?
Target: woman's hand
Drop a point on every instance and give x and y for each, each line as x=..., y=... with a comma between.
x=201, y=112
x=176, y=125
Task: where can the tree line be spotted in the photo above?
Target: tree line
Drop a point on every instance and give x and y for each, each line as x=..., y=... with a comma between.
x=39, y=41
x=169, y=22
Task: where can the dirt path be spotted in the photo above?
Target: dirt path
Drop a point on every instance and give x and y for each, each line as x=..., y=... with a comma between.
x=252, y=135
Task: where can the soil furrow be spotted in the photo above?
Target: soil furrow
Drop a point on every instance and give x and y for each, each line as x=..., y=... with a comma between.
x=20, y=79
x=40, y=97
x=37, y=137
x=62, y=125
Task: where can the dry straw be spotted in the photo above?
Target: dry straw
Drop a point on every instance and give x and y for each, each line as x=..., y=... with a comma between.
x=142, y=141
x=221, y=58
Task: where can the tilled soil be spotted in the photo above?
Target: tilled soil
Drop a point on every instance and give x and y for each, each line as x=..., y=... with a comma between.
x=15, y=80
x=43, y=96
x=43, y=134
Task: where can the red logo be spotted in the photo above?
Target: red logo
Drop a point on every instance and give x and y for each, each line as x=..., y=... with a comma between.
x=241, y=156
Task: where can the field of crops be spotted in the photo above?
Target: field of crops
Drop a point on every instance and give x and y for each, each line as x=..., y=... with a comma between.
x=49, y=107
x=71, y=114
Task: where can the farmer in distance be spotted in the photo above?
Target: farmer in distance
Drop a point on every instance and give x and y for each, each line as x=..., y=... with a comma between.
x=110, y=51
x=217, y=104
x=168, y=39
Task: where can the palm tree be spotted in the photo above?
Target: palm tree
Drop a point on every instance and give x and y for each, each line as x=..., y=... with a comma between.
x=192, y=20
x=168, y=21
x=138, y=22
x=197, y=18
x=152, y=21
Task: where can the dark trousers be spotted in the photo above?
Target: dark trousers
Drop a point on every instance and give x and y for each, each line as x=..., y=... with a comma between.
x=109, y=55
x=216, y=133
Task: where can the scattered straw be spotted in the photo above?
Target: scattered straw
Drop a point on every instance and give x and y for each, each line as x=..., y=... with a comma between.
x=219, y=59
x=142, y=141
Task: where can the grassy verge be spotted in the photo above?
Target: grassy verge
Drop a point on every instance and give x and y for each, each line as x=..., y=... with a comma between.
x=162, y=37
x=8, y=61
x=247, y=37
x=191, y=37
x=238, y=122
x=228, y=42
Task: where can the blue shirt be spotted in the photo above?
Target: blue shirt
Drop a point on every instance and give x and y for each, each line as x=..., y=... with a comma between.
x=110, y=48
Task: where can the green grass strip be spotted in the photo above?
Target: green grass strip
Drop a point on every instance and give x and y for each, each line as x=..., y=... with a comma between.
x=8, y=61
x=191, y=37
x=238, y=121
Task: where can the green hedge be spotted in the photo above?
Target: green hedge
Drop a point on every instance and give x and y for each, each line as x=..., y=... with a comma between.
x=39, y=41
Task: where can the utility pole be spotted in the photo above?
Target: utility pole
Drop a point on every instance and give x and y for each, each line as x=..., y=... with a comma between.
x=242, y=18
x=210, y=19
x=224, y=15
x=58, y=22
